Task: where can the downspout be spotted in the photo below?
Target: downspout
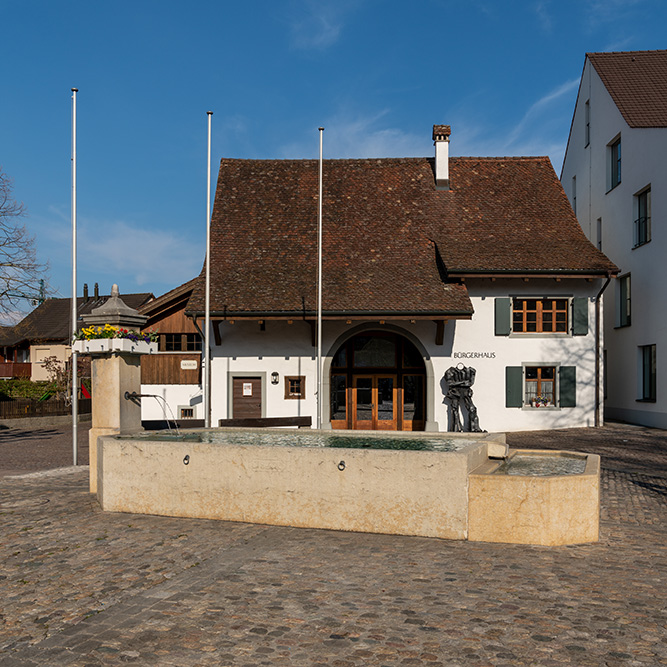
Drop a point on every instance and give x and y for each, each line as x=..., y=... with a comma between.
x=597, y=351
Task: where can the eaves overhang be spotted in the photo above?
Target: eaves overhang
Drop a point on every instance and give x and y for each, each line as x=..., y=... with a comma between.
x=538, y=273
x=334, y=315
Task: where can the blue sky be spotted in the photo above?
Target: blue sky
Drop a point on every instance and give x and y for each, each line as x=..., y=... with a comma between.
x=377, y=74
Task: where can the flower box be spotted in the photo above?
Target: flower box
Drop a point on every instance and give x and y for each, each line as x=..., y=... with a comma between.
x=109, y=345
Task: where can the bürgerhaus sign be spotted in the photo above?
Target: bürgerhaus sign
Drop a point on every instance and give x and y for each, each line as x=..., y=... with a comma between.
x=474, y=355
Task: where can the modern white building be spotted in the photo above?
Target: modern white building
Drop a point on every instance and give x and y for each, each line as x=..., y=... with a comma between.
x=615, y=175
x=457, y=292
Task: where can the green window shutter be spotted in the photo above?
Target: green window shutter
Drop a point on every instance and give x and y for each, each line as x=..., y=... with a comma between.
x=568, y=386
x=580, y=316
x=503, y=316
x=513, y=386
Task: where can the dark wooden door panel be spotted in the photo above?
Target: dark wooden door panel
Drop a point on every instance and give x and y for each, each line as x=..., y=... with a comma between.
x=247, y=398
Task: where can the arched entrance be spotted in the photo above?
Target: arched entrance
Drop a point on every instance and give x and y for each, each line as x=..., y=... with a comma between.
x=378, y=382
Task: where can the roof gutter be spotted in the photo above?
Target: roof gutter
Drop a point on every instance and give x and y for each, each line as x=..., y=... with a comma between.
x=584, y=273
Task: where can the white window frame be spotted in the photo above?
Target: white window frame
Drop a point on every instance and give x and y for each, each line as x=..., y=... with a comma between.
x=624, y=301
x=556, y=388
x=614, y=163
x=636, y=210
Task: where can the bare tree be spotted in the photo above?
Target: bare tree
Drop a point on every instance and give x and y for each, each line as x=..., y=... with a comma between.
x=20, y=272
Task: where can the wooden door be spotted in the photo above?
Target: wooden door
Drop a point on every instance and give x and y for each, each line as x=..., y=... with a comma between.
x=247, y=398
x=374, y=402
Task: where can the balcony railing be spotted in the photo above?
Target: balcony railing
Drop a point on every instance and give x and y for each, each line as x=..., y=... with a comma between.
x=29, y=407
x=15, y=369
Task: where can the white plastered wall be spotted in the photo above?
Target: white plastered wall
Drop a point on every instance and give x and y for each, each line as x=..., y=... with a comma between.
x=39, y=353
x=287, y=350
x=170, y=398
x=643, y=163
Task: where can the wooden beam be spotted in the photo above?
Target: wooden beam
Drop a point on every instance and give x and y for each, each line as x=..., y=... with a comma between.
x=313, y=332
x=216, y=332
x=263, y=422
x=439, y=332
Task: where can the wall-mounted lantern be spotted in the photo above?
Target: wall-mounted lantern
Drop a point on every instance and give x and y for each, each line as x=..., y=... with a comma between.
x=274, y=378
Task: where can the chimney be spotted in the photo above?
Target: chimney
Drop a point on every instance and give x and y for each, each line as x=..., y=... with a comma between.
x=85, y=292
x=96, y=294
x=441, y=141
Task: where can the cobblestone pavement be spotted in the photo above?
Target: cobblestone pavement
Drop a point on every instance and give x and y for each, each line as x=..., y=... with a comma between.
x=83, y=587
x=23, y=450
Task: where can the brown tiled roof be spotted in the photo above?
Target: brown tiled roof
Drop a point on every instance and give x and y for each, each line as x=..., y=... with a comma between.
x=390, y=239
x=637, y=82
x=510, y=215
x=182, y=292
x=52, y=320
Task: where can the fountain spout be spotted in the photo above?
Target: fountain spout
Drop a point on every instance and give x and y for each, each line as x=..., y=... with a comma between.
x=134, y=397
x=497, y=450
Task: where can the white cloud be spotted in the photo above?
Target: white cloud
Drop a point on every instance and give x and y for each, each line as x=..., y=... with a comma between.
x=541, y=108
x=143, y=255
x=541, y=131
x=605, y=11
x=136, y=257
x=318, y=25
x=360, y=137
x=543, y=15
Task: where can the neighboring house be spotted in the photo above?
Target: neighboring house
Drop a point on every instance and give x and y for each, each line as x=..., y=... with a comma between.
x=46, y=332
x=173, y=376
x=430, y=267
x=615, y=174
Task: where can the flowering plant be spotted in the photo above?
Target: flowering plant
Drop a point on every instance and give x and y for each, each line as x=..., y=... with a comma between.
x=108, y=331
x=540, y=401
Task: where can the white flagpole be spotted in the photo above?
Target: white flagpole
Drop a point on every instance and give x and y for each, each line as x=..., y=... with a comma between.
x=75, y=388
x=206, y=377
x=319, y=293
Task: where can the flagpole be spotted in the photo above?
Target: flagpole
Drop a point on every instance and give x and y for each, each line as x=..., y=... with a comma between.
x=75, y=388
x=319, y=292
x=207, y=319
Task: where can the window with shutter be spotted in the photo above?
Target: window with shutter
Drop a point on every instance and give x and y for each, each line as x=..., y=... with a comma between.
x=540, y=386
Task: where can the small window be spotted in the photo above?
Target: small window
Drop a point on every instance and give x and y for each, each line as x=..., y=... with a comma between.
x=587, y=118
x=295, y=386
x=187, y=413
x=540, y=386
x=624, y=301
x=615, y=163
x=648, y=373
x=173, y=342
x=539, y=315
x=193, y=342
x=642, y=225
x=574, y=194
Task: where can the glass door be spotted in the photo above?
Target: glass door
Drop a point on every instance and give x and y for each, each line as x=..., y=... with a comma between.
x=385, y=413
x=363, y=404
x=374, y=402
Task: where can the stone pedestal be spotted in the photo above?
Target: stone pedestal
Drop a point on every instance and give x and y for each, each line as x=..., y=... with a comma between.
x=113, y=414
x=116, y=371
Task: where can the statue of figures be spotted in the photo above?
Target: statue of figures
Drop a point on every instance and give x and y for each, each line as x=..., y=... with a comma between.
x=460, y=379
